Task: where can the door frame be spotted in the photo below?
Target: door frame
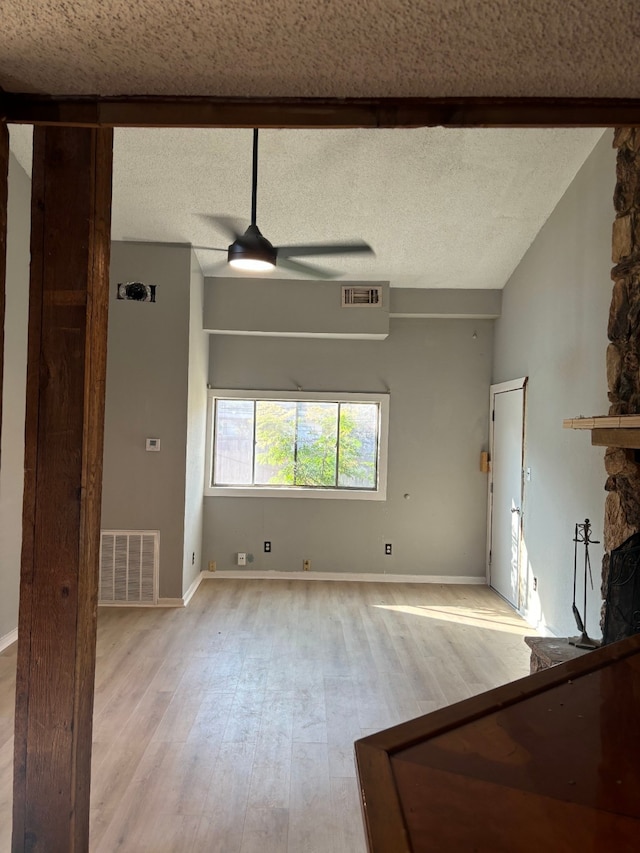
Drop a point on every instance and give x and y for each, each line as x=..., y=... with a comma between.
x=501, y=388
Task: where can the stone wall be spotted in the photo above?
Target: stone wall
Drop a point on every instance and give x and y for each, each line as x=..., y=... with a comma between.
x=622, y=508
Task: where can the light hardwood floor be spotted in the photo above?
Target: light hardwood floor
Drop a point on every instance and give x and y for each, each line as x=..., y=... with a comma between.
x=228, y=726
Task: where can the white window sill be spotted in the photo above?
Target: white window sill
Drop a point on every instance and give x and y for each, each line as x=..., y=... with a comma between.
x=299, y=492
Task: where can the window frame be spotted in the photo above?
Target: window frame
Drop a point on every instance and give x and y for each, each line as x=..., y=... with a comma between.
x=377, y=494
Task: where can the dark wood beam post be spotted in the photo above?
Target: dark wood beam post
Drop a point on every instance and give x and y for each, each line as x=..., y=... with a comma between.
x=70, y=242
x=4, y=182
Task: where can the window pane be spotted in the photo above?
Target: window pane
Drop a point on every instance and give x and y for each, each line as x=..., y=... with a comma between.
x=233, y=448
x=316, y=444
x=275, y=442
x=358, y=445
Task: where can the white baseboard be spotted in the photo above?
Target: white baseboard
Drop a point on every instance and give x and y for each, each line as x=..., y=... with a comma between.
x=8, y=639
x=186, y=598
x=366, y=577
x=363, y=577
x=163, y=602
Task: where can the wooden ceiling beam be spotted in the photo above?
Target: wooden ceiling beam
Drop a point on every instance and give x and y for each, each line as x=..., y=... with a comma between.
x=142, y=111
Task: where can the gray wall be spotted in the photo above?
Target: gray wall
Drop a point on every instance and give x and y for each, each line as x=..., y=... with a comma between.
x=15, y=371
x=147, y=381
x=196, y=429
x=445, y=302
x=438, y=375
x=281, y=306
x=553, y=329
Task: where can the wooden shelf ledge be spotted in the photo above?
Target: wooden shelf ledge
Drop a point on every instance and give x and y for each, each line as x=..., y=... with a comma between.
x=603, y=422
x=609, y=431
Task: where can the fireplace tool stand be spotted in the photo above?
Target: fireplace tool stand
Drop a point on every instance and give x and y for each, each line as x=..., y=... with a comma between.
x=582, y=537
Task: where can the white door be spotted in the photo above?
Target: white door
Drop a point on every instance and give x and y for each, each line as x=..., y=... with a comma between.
x=506, y=488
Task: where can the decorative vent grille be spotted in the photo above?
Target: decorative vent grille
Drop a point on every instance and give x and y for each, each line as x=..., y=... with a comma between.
x=361, y=297
x=129, y=567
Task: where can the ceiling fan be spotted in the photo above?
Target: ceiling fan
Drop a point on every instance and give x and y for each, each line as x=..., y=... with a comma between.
x=250, y=251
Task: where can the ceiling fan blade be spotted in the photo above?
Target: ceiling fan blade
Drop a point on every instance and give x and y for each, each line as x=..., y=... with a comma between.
x=157, y=240
x=228, y=225
x=305, y=269
x=209, y=249
x=324, y=249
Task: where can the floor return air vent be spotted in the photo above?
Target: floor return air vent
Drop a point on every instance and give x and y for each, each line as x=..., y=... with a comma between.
x=129, y=567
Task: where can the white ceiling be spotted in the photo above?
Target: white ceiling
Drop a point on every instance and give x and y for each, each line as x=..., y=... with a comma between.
x=322, y=48
x=441, y=208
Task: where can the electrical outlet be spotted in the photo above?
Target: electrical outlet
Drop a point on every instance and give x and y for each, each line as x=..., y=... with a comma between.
x=388, y=549
x=193, y=558
x=306, y=565
x=212, y=565
x=267, y=547
x=242, y=558
x=535, y=584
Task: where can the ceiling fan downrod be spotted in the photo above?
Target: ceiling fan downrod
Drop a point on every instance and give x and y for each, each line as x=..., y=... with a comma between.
x=251, y=251
x=254, y=177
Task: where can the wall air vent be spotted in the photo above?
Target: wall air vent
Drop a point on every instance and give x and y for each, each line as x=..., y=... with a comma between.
x=361, y=297
x=129, y=567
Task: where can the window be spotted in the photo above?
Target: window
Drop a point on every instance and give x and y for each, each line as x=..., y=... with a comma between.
x=297, y=444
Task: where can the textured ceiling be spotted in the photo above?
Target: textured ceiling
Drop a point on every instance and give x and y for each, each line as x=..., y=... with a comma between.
x=322, y=47
x=441, y=208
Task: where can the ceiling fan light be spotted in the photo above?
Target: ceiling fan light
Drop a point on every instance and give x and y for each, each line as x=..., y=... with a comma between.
x=252, y=252
x=251, y=264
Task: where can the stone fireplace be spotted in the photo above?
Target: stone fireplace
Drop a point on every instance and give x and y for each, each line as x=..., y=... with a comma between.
x=622, y=508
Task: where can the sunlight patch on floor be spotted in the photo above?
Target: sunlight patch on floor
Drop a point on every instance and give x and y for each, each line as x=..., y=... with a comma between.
x=477, y=617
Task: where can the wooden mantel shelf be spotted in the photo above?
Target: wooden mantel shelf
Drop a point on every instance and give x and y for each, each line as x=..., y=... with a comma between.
x=609, y=431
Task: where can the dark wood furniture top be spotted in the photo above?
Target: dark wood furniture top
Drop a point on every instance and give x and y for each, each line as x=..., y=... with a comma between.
x=549, y=762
